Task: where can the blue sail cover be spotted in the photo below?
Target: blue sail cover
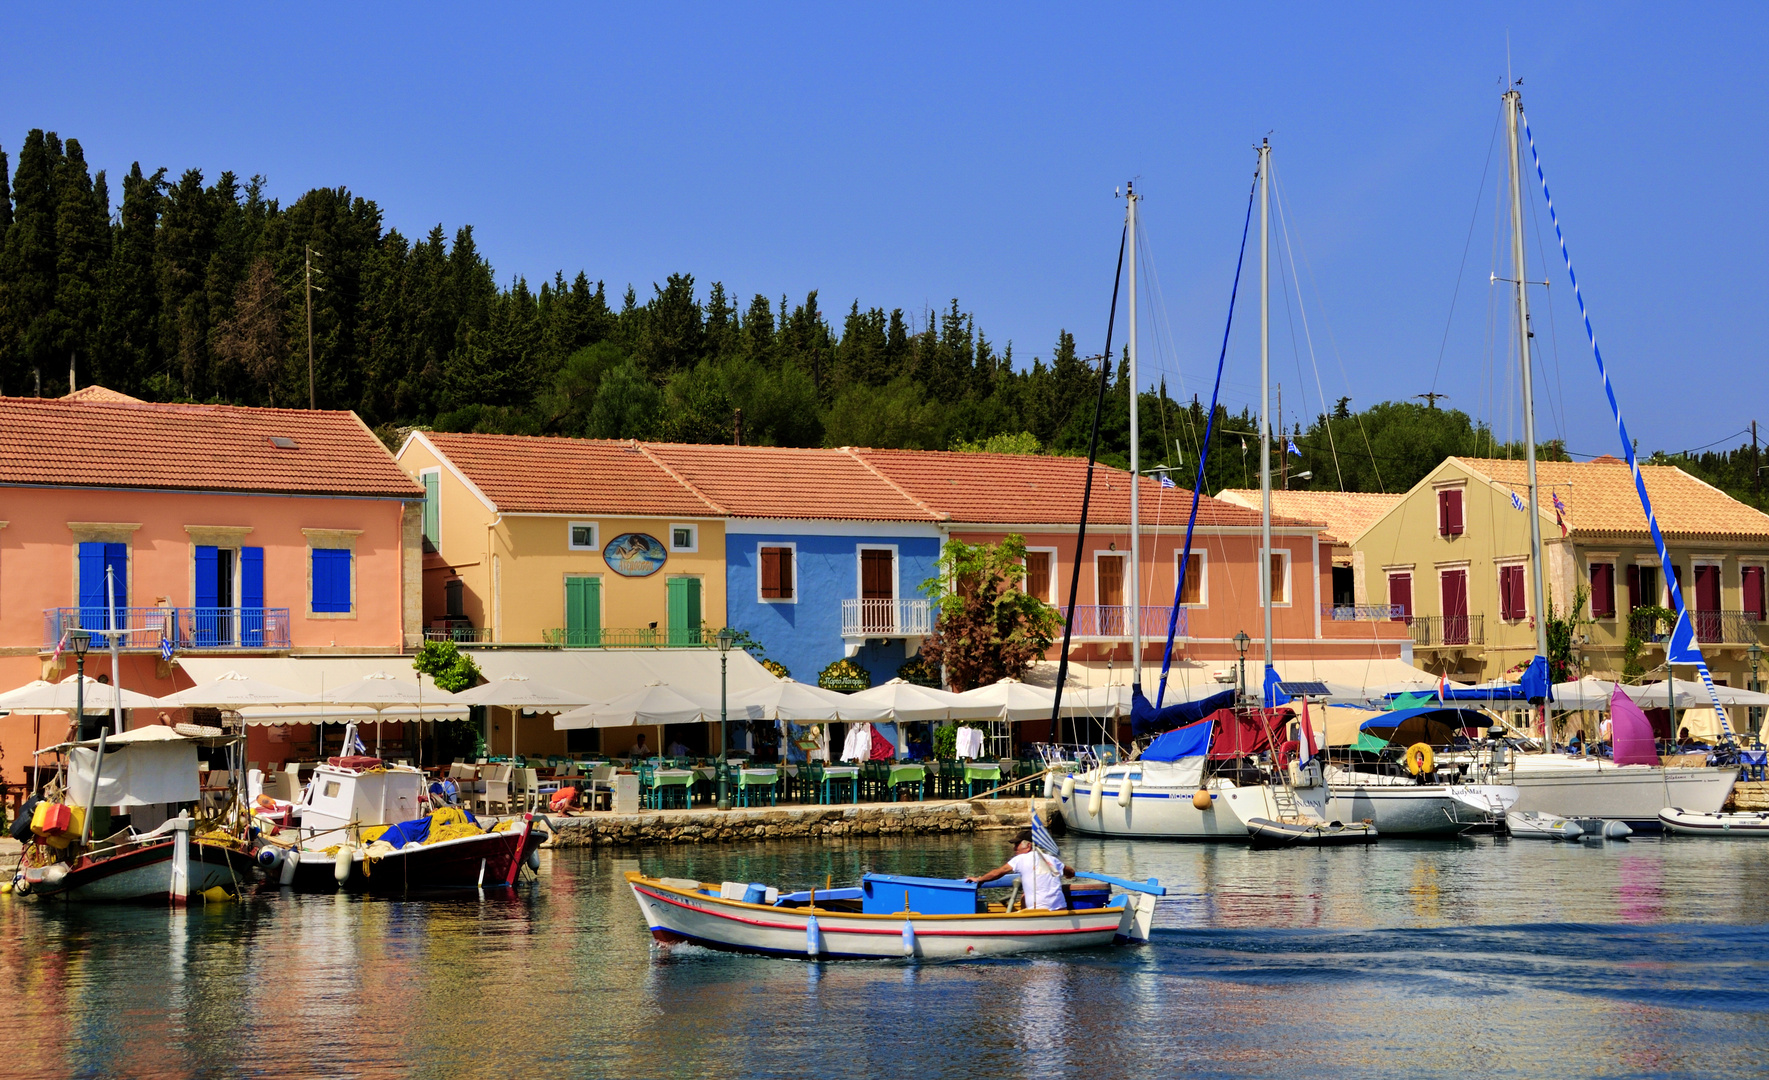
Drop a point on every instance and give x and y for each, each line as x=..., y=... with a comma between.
x=1193, y=740
x=1145, y=718
x=1273, y=696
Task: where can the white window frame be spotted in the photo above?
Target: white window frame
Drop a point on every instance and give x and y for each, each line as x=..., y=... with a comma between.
x=570, y=529
x=1437, y=488
x=1718, y=562
x=1099, y=601
x=1499, y=565
x=1289, y=572
x=1203, y=555
x=790, y=545
x=860, y=570
x=1050, y=586
x=693, y=545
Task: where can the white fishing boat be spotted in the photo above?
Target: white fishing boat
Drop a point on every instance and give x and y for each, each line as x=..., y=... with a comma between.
x=888, y=917
x=1735, y=826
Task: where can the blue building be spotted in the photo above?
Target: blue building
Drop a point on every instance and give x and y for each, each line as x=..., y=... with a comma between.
x=824, y=558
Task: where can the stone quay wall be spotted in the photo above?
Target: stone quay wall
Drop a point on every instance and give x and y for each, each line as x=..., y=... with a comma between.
x=796, y=822
x=1749, y=795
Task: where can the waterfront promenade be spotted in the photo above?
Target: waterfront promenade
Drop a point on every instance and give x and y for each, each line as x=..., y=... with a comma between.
x=704, y=826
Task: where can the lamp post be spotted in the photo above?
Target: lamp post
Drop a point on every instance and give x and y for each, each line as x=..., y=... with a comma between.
x=1241, y=643
x=79, y=641
x=724, y=639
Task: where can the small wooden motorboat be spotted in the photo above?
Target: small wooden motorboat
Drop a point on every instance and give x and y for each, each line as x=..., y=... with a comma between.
x=889, y=916
x=1266, y=833
x=1742, y=826
x=1538, y=825
x=130, y=868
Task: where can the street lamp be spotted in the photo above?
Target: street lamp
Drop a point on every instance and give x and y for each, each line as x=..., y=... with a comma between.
x=1241, y=643
x=79, y=641
x=724, y=639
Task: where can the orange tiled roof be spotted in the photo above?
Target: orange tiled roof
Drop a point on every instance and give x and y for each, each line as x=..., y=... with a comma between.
x=535, y=475
x=1344, y=513
x=783, y=482
x=91, y=440
x=1033, y=489
x=101, y=393
x=1601, y=501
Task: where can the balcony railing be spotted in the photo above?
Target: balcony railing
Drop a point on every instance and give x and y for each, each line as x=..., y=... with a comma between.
x=463, y=634
x=1711, y=627
x=1113, y=621
x=887, y=618
x=1362, y=612
x=1442, y=631
x=608, y=637
x=143, y=629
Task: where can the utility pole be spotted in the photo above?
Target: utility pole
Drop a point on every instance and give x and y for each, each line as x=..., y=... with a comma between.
x=1431, y=398
x=312, y=398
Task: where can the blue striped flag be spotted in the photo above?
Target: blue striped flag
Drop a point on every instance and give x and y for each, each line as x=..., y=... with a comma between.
x=1041, y=838
x=1517, y=501
x=1167, y=481
x=1291, y=443
x=166, y=649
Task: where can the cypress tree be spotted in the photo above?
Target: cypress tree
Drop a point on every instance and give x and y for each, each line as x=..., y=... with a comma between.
x=30, y=331
x=131, y=305
x=82, y=239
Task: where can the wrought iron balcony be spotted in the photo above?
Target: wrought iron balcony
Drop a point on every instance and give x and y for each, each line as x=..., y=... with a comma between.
x=1711, y=627
x=1448, y=631
x=887, y=618
x=186, y=629
x=463, y=633
x=1112, y=622
x=1362, y=612
x=607, y=637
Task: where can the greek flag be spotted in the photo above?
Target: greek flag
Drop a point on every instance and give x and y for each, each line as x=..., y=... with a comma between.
x=1291, y=444
x=1167, y=481
x=352, y=746
x=1041, y=838
x=1517, y=501
x=166, y=650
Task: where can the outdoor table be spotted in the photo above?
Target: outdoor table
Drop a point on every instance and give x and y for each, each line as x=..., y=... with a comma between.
x=748, y=778
x=842, y=772
x=665, y=778
x=975, y=771
x=907, y=774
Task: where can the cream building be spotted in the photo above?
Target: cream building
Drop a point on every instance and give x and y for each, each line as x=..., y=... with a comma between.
x=1454, y=555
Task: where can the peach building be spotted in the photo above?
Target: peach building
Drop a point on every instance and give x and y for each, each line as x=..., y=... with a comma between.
x=195, y=530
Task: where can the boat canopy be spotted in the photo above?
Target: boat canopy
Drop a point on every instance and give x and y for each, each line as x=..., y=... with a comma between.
x=1243, y=734
x=1190, y=741
x=1145, y=718
x=1436, y=725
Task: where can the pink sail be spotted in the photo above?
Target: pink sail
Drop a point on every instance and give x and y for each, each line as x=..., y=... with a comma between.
x=1632, y=732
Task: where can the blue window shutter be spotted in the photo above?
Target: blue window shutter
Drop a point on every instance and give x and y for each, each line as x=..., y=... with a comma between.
x=116, y=556
x=331, y=579
x=252, y=597
x=208, y=559
x=92, y=575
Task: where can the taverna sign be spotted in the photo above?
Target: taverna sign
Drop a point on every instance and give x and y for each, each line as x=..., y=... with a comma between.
x=634, y=555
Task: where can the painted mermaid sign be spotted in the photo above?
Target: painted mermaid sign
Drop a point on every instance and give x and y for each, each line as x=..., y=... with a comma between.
x=634, y=555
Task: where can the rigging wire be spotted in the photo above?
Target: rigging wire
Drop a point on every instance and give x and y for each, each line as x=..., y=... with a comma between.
x=1462, y=268
x=1284, y=231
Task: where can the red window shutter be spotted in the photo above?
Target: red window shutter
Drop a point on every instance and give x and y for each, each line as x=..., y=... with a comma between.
x=1400, y=593
x=1753, y=592
x=1603, y=590
x=786, y=573
x=1634, y=600
x=1455, y=513
x=771, y=573
x=1449, y=512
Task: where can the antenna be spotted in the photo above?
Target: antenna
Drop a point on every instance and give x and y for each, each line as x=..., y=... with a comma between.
x=1431, y=398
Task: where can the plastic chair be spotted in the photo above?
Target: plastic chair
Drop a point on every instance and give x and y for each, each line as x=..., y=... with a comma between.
x=496, y=790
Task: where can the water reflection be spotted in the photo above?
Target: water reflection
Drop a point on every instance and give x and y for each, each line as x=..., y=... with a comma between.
x=1402, y=959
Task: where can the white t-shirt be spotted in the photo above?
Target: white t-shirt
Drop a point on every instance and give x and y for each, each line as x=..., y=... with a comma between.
x=1041, y=880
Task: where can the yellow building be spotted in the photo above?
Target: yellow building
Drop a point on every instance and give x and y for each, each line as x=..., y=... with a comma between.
x=563, y=542
x=1454, y=554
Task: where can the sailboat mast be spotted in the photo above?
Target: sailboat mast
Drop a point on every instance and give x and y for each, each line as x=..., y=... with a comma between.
x=1135, y=577
x=1514, y=110
x=1265, y=551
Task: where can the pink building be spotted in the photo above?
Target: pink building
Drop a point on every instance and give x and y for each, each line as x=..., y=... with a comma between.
x=216, y=530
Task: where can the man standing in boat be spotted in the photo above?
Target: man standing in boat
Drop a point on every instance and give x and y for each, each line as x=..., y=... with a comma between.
x=1041, y=875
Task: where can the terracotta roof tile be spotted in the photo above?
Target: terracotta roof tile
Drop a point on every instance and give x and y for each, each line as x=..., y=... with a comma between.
x=1344, y=513
x=784, y=482
x=101, y=393
x=90, y=439
x=1035, y=489
x=1600, y=498
x=536, y=475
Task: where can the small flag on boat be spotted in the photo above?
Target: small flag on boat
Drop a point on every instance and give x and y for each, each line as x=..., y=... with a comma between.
x=1291, y=445
x=1041, y=838
x=353, y=745
x=1517, y=501
x=1443, y=688
x=1559, y=513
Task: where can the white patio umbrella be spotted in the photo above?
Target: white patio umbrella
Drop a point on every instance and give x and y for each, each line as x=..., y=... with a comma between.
x=802, y=703
x=1014, y=700
x=40, y=696
x=232, y=690
x=653, y=705
x=517, y=692
x=911, y=703
x=380, y=691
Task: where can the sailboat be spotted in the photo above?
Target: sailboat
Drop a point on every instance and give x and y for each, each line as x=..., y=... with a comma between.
x=1169, y=792
x=1557, y=783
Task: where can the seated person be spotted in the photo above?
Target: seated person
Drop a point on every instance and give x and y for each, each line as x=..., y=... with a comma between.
x=640, y=749
x=1041, y=876
x=679, y=749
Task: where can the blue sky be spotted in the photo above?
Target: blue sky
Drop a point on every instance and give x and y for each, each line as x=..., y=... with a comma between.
x=905, y=155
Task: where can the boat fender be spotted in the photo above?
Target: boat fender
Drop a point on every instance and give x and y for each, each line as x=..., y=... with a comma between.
x=908, y=938
x=270, y=857
x=1096, y=799
x=53, y=875
x=291, y=863
x=534, y=860
x=215, y=894
x=1616, y=830
x=1201, y=800
x=1124, y=791
x=1420, y=759
x=813, y=937
x=1068, y=788
x=1049, y=784
x=341, y=864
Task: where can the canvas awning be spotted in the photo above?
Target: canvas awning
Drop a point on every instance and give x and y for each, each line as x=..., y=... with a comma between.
x=315, y=677
x=152, y=764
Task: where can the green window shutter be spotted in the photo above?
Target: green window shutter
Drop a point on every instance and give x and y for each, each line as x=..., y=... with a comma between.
x=583, y=611
x=432, y=499
x=691, y=623
x=678, y=610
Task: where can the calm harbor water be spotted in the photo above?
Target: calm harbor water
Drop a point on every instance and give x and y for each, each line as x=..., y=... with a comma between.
x=1475, y=957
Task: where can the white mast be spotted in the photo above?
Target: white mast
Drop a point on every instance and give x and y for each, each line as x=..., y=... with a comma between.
x=1265, y=399
x=1514, y=114
x=1135, y=581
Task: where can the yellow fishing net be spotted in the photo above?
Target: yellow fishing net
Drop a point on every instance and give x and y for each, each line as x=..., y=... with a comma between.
x=450, y=823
